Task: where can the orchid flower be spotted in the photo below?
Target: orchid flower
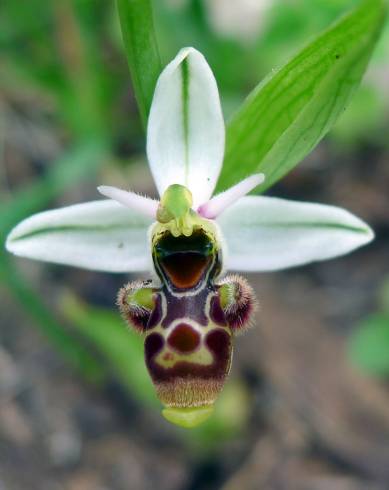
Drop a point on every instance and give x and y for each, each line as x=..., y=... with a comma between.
x=190, y=311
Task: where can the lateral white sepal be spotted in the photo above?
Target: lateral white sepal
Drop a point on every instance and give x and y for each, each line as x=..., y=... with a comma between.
x=266, y=233
x=98, y=235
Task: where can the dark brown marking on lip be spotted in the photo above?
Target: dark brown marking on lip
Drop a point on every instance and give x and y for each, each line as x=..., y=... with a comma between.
x=191, y=306
x=184, y=339
x=218, y=342
x=216, y=312
x=153, y=344
x=188, y=384
x=156, y=314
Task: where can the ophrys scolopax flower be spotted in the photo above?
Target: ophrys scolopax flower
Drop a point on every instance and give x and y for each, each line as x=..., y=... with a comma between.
x=189, y=311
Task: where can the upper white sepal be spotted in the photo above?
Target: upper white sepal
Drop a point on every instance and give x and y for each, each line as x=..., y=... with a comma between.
x=185, y=133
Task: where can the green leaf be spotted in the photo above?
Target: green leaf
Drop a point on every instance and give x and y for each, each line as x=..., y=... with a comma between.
x=122, y=348
x=369, y=345
x=136, y=20
x=295, y=106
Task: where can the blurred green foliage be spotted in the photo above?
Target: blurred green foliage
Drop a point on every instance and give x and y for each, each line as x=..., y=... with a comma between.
x=290, y=111
x=73, y=51
x=121, y=349
x=70, y=57
x=369, y=344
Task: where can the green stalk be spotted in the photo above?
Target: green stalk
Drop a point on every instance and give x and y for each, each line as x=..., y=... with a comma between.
x=136, y=20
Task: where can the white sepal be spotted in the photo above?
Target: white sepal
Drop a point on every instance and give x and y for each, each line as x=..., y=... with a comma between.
x=266, y=233
x=98, y=235
x=185, y=134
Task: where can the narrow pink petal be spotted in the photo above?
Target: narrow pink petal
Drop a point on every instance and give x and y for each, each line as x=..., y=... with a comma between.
x=219, y=203
x=142, y=204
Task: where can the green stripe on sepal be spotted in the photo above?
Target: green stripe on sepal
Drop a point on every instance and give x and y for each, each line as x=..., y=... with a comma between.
x=185, y=135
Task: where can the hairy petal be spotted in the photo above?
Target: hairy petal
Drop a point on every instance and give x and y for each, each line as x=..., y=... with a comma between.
x=222, y=201
x=185, y=134
x=136, y=202
x=98, y=235
x=266, y=233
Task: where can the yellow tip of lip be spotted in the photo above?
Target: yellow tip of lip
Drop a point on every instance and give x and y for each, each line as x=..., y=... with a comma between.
x=188, y=417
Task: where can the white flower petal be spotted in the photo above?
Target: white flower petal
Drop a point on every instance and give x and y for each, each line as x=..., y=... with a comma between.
x=185, y=134
x=265, y=233
x=136, y=202
x=222, y=201
x=98, y=235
